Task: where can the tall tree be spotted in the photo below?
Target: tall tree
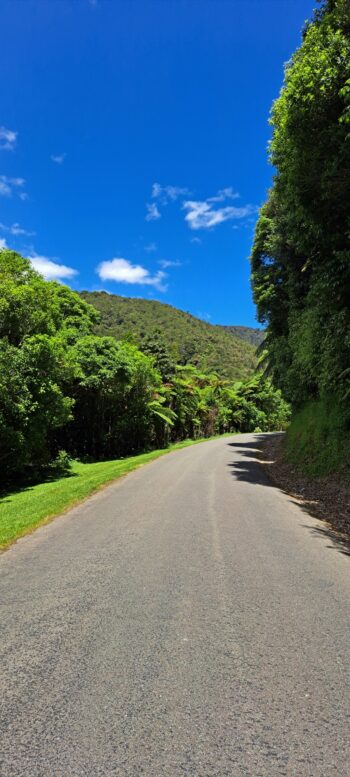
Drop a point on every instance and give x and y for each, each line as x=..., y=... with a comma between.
x=301, y=254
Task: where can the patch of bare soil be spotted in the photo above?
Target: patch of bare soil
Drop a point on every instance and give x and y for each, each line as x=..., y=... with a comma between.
x=326, y=498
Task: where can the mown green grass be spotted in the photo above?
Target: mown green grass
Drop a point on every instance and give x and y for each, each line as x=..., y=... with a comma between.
x=26, y=509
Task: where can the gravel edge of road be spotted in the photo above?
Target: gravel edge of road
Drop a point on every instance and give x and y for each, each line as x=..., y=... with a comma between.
x=325, y=498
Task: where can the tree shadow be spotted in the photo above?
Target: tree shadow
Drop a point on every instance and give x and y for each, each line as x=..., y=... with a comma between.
x=254, y=470
x=11, y=490
x=257, y=436
x=251, y=471
x=339, y=542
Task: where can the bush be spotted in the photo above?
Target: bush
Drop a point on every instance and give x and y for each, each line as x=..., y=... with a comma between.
x=61, y=465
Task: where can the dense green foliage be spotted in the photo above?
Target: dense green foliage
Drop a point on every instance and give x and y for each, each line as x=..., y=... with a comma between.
x=188, y=340
x=64, y=388
x=316, y=438
x=301, y=254
x=39, y=324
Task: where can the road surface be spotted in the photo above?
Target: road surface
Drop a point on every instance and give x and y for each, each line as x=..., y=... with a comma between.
x=189, y=620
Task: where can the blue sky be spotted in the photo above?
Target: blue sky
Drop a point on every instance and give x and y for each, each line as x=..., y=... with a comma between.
x=133, y=139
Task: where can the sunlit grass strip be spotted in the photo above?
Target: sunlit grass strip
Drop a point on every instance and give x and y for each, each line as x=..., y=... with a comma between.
x=25, y=510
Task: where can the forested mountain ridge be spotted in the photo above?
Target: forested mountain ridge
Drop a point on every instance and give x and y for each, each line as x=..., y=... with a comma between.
x=190, y=340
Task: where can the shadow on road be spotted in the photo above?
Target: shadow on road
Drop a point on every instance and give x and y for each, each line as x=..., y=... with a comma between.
x=339, y=543
x=254, y=470
x=251, y=470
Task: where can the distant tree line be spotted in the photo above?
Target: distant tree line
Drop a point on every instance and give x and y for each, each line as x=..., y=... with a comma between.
x=301, y=254
x=66, y=392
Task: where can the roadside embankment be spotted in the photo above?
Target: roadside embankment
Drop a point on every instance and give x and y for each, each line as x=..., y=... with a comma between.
x=326, y=497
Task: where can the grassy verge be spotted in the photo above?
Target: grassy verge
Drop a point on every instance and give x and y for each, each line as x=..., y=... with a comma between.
x=318, y=439
x=25, y=510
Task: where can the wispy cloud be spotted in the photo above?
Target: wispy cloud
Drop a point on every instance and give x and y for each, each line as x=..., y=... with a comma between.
x=50, y=269
x=196, y=240
x=168, y=193
x=3, y=243
x=123, y=271
x=9, y=185
x=203, y=316
x=163, y=195
x=152, y=212
x=15, y=229
x=58, y=158
x=7, y=139
x=151, y=248
x=224, y=194
x=201, y=215
x=165, y=263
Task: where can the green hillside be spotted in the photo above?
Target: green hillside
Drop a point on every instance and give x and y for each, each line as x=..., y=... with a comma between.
x=190, y=340
x=247, y=333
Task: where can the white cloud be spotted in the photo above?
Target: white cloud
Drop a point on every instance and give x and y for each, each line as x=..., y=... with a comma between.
x=15, y=229
x=51, y=270
x=201, y=215
x=58, y=158
x=196, y=240
x=152, y=212
x=3, y=243
x=7, y=139
x=122, y=270
x=9, y=185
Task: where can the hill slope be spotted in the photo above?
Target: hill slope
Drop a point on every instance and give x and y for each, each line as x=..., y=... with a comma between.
x=247, y=333
x=190, y=340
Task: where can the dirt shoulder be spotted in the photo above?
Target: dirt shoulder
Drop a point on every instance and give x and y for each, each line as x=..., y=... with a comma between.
x=326, y=498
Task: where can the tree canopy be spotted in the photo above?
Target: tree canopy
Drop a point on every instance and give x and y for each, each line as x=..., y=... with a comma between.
x=301, y=253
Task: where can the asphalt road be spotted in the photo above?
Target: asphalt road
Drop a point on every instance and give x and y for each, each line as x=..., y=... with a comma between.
x=190, y=620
